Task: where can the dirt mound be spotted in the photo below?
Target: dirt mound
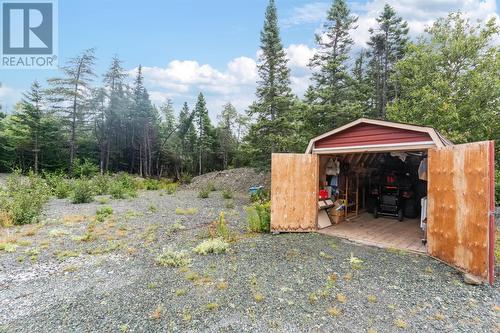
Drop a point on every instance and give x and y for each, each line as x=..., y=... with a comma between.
x=239, y=180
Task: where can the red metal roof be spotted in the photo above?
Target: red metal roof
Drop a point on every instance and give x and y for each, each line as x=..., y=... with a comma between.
x=377, y=135
x=369, y=134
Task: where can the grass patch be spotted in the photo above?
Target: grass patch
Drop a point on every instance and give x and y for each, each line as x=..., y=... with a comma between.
x=400, y=323
x=372, y=298
x=58, y=232
x=102, y=200
x=227, y=194
x=171, y=188
x=175, y=227
x=204, y=193
x=8, y=247
x=216, y=246
x=103, y=212
x=65, y=254
x=334, y=311
x=187, y=211
x=72, y=219
x=222, y=285
x=356, y=263
x=158, y=312
x=212, y=306
x=109, y=247
x=180, y=292
x=341, y=298
x=173, y=258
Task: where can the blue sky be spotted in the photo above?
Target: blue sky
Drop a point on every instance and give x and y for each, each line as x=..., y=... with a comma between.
x=211, y=46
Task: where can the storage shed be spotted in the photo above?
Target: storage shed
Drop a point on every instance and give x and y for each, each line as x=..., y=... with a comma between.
x=392, y=185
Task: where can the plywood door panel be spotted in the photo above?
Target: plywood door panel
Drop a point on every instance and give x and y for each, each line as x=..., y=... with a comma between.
x=294, y=192
x=459, y=193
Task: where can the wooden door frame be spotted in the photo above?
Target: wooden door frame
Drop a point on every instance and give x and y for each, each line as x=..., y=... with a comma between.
x=491, y=249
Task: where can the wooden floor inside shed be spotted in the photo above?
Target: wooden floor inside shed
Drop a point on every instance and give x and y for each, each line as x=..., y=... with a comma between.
x=382, y=232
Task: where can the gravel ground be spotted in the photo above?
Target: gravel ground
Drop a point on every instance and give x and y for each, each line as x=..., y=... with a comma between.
x=240, y=179
x=265, y=283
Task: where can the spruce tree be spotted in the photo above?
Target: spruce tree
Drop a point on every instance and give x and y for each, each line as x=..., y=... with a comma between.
x=114, y=82
x=225, y=133
x=388, y=42
x=188, y=138
x=331, y=77
x=274, y=98
x=70, y=94
x=205, y=132
x=28, y=120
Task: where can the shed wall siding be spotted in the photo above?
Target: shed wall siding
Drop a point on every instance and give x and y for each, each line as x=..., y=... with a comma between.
x=369, y=134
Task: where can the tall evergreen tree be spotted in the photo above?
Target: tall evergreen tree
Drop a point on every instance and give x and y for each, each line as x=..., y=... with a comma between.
x=70, y=94
x=188, y=138
x=114, y=82
x=143, y=121
x=30, y=118
x=274, y=97
x=388, y=42
x=205, y=132
x=331, y=76
x=225, y=133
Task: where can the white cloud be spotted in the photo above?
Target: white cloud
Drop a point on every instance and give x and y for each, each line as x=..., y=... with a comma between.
x=308, y=13
x=182, y=80
x=419, y=14
x=9, y=97
x=299, y=55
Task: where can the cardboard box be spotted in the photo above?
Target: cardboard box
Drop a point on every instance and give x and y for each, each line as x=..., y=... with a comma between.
x=336, y=219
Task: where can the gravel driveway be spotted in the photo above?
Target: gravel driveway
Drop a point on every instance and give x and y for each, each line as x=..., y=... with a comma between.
x=59, y=281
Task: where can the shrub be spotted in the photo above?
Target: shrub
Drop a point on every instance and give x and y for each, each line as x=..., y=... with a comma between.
x=62, y=189
x=151, y=184
x=259, y=217
x=59, y=185
x=117, y=191
x=102, y=184
x=103, y=212
x=23, y=199
x=171, y=188
x=185, y=178
x=260, y=196
x=204, y=193
x=210, y=187
x=83, y=192
x=85, y=168
x=173, y=258
x=227, y=194
x=216, y=245
x=124, y=186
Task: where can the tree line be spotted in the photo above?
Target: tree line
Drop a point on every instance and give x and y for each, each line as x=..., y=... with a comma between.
x=448, y=78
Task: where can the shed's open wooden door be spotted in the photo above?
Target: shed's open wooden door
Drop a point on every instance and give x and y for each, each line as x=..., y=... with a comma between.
x=460, y=206
x=294, y=192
